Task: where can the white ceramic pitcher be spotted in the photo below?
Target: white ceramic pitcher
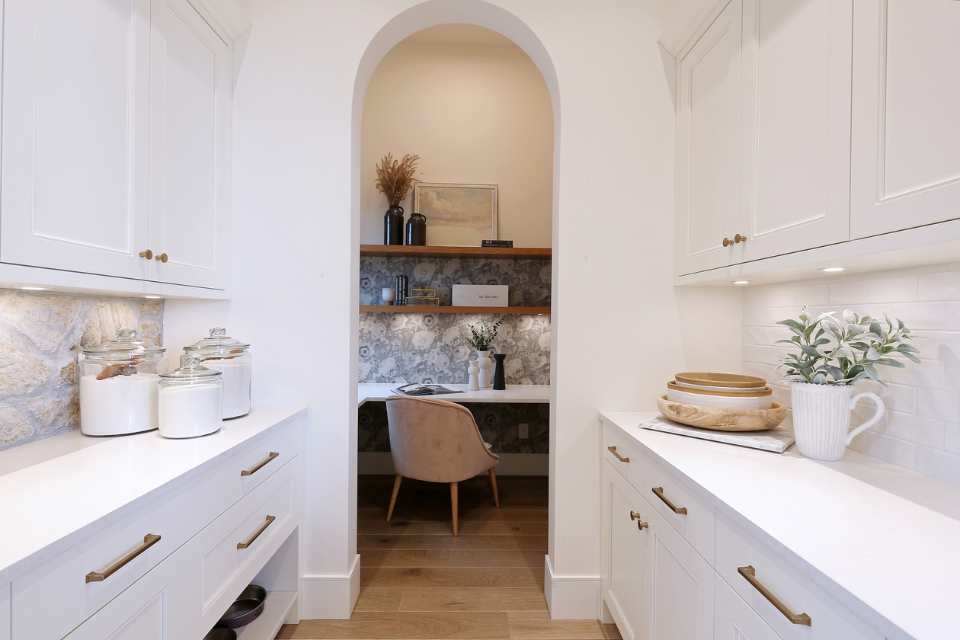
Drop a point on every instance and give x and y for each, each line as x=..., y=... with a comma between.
x=821, y=418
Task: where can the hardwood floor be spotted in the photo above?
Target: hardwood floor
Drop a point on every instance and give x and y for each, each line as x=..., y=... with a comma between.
x=419, y=582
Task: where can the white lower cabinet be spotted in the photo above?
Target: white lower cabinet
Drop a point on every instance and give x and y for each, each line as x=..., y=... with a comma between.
x=735, y=620
x=627, y=591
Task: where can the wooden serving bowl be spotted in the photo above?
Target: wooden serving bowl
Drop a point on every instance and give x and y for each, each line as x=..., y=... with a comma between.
x=720, y=419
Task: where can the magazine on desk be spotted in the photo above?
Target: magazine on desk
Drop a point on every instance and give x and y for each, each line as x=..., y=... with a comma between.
x=415, y=389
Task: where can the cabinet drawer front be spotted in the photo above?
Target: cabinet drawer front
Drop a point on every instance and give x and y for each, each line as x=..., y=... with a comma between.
x=619, y=450
x=264, y=456
x=786, y=601
x=243, y=538
x=678, y=505
x=61, y=593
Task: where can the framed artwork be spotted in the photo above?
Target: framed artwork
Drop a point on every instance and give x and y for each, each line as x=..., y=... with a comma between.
x=458, y=215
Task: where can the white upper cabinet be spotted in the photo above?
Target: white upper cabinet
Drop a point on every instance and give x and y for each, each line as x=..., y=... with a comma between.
x=116, y=140
x=906, y=101
x=190, y=97
x=74, y=135
x=710, y=135
x=797, y=58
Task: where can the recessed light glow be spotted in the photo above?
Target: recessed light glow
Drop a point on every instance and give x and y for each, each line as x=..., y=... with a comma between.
x=833, y=269
x=741, y=283
x=33, y=288
x=153, y=297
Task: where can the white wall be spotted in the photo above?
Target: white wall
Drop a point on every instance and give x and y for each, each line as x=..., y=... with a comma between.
x=474, y=113
x=922, y=430
x=294, y=280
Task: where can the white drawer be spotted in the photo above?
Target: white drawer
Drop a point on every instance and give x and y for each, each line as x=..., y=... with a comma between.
x=741, y=559
x=619, y=449
x=58, y=595
x=232, y=549
x=261, y=458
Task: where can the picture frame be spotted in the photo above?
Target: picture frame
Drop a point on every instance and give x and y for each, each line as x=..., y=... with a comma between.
x=458, y=214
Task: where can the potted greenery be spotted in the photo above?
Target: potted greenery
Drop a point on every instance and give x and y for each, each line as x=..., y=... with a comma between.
x=829, y=355
x=394, y=179
x=481, y=338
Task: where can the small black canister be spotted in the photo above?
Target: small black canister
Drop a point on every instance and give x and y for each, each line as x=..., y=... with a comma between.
x=417, y=230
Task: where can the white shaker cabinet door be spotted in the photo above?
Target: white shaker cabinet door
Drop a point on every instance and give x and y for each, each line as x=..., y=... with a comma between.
x=74, y=129
x=627, y=592
x=190, y=97
x=906, y=101
x=797, y=58
x=735, y=620
x=709, y=194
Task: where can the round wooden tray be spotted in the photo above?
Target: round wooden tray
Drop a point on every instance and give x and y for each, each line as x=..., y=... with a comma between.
x=729, y=380
x=722, y=419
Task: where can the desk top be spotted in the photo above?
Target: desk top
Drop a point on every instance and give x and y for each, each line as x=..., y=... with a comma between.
x=514, y=393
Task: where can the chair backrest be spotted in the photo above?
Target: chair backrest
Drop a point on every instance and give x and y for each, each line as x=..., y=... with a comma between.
x=435, y=440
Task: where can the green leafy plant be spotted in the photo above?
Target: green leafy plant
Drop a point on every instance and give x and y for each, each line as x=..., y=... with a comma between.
x=841, y=351
x=483, y=334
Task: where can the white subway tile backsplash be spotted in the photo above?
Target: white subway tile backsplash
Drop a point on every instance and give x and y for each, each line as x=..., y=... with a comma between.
x=922, y=428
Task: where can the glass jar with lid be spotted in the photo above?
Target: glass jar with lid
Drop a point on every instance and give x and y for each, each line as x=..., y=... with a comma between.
x=118, y=385
x=190, y=399
x=234, y=360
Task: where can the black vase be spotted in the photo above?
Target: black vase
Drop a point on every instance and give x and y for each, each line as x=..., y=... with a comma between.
x=393, y=225
x=417, y=230
x=499, y=378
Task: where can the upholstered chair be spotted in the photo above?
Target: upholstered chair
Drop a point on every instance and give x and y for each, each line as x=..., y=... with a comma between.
x=437, y=441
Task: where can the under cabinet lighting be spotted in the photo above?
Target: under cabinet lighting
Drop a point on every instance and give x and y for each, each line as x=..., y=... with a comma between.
x=153, y=297
x=833, y=269
x=741, y=283
x=33, y=288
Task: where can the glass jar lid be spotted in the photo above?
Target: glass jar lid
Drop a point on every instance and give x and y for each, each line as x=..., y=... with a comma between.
x=191, y=370
x=125, y=346
x=219, y=345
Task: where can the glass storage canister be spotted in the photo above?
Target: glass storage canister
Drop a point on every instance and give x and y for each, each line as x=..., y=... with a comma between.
x=233, y=359
x=118, y=386
x=191, y=399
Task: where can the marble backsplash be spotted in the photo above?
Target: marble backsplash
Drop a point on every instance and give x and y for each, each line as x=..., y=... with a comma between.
x=39, y=337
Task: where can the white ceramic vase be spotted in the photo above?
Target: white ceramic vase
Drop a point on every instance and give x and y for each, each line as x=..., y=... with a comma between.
x=486, y=369
x=821, y=418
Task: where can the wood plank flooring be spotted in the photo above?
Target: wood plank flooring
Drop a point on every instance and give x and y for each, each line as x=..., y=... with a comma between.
x=419, y=582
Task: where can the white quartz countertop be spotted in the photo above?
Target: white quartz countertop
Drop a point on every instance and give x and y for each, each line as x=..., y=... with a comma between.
x=514, y=393
x=860, y=523
x=46, y=502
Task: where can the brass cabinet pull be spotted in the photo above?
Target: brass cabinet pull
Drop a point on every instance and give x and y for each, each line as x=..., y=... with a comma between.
x=273, y=455
x=256, y=534
x=146, y=254
x=737, y=239
x=750, y=575
x=99, y=576
x=641, y=524
x=161, y=257
x=658, y=491
x=617, y=455
x=727, y=242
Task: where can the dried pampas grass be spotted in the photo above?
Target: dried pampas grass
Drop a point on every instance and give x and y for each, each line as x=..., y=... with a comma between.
x=395, y=177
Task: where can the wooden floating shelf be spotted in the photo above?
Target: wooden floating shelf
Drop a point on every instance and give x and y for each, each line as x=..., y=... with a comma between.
x=427, y=308
x=455, y=252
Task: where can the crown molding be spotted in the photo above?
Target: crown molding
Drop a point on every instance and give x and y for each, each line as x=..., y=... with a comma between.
x=228, y=18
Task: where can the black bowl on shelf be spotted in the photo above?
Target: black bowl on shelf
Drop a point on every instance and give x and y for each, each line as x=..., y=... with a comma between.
x=245, y=609
x=221, y=633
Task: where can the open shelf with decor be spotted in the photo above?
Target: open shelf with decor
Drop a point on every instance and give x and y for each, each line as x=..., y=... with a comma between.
x=428, y=308
x=455, y=252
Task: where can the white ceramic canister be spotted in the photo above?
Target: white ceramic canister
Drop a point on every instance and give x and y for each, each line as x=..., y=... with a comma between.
x=118, y=386
x=821, y=418
x=234, y=361
x=190, y=400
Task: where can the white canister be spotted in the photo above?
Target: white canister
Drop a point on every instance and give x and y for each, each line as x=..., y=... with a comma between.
x=234, y=361
x=821, y=418
x=190, y=400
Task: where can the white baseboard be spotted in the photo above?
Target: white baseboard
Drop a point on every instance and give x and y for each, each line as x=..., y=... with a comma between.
x=571, y=597
x=511, y=464
x=330, y=596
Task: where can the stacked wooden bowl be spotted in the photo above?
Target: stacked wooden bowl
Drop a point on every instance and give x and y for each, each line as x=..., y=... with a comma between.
x=721, y=401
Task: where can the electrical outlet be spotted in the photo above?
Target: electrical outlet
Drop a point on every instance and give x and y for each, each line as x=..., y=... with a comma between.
x=524, y=430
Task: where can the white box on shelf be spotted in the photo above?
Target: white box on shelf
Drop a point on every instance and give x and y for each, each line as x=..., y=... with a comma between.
x=480, y=295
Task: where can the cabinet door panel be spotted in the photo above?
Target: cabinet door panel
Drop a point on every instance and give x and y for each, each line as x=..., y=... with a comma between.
x=709, y=146
x=906, y=142
x=74, y=132
x=735, y=620
x=681, y=588
x=190, y=123
x=797, y=58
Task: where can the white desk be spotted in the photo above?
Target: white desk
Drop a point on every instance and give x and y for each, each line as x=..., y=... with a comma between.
x=513, y=394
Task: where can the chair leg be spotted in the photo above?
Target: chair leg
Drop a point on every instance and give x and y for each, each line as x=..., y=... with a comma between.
x=493, y=485
x=393, y=496
x=453, y=509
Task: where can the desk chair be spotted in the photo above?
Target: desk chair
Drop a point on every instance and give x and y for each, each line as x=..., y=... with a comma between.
x=437, y=441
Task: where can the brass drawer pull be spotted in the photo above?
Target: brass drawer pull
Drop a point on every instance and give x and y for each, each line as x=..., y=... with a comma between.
x=273, y=455
x=256, y=534
x=750, y=575
x=658, y=491
x=641, y=524
x=617, y=455
x=99, y=576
